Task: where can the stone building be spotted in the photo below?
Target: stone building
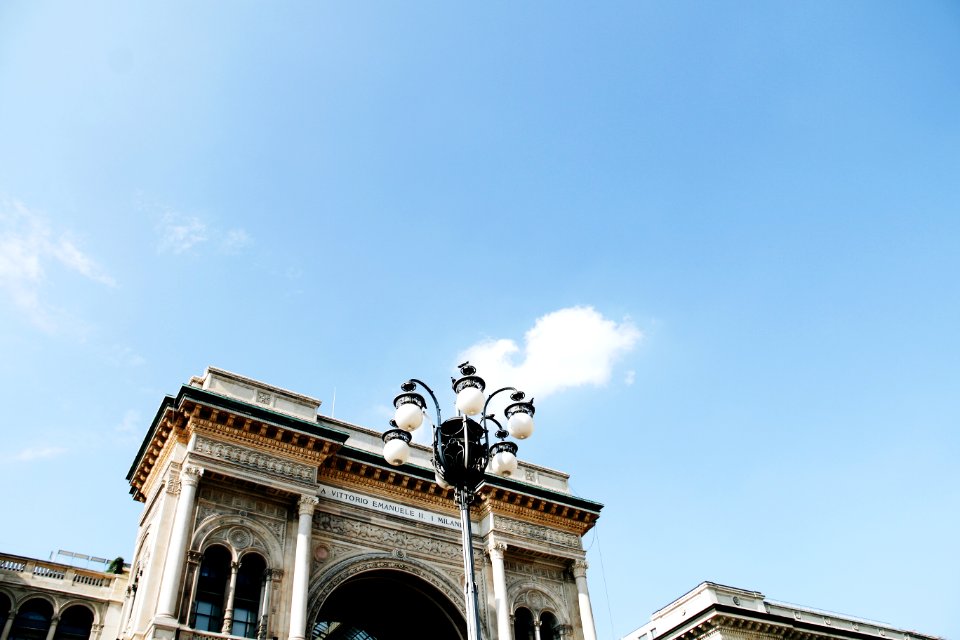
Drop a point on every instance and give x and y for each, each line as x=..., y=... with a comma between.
x=263, y=519
x=715, y=612
x=41, y=600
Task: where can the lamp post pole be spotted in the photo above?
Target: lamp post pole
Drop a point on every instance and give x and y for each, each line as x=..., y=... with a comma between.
x=462, y=452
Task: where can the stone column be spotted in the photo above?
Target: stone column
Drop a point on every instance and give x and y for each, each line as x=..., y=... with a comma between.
x=8, y=624
x=264, y=614
x=231, y=594
x=583, y=598
x=496, y=551
x=536, y=630
x=53, y=627
x=182, y=521
x=301, y=569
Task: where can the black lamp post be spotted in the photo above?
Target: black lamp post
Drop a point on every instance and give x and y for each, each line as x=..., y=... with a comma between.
x=462, y=450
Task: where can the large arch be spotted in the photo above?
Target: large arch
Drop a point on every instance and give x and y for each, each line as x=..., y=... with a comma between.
x=382, y=596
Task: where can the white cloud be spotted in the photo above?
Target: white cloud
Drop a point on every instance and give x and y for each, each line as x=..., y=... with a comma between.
x=568, y=348
x=235, y=240
x=38, y=453
x=29, y=246
x=180, y=233
x=630, y=377
x=120, y=356
x=131, y=423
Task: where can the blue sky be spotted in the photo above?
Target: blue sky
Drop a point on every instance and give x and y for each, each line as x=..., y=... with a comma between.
x=720, y=239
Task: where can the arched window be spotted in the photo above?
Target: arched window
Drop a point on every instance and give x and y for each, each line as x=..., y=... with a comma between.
x=548, y=626
x=75, y=624
x=246, y=599
x=522, y=624
x=5, y=606
x=32, y=621
x=211, y=589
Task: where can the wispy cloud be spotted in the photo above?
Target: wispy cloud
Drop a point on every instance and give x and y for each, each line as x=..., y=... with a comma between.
x=121, y=356
x=30, y=454
x=29, y=247
x=235, y=240
x=180, y=233
x=131, y=423
x=568, y=348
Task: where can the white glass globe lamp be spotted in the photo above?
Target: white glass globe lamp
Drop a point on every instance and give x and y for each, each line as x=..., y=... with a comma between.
x=470, y=401
x=408, y=416
x=396, y=451
x=504, y=463
x=520, y=425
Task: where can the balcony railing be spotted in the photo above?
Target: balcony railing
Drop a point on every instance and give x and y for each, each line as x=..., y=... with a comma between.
x=30, y=568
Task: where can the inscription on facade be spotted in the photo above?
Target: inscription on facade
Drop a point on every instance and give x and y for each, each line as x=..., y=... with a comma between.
x=385, y=506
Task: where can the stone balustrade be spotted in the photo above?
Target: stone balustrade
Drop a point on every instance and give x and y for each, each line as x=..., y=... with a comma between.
x=30, y=569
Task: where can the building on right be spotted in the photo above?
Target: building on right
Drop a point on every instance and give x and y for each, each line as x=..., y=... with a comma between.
x=715, y=612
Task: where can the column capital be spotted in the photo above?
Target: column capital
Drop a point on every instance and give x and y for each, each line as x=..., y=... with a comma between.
x=194, y=557
x=306, y=505
x=579, y=568
x=191, y=475
x=496, y=550
x=234, y=566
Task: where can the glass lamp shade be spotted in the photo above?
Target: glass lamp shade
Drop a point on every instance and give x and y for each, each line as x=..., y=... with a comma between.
x=504, y=464
x=520, y=425
x=443, y=484
x=470, y=401
x=408, y=417
x=396, y=451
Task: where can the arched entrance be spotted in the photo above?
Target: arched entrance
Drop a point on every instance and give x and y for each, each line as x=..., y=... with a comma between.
x=387, y=604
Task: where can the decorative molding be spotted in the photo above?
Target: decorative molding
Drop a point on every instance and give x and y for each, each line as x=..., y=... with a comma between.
x=218, y=502
x=529, y=569
x=536, y=532
x=387, y=539
x=256, y=460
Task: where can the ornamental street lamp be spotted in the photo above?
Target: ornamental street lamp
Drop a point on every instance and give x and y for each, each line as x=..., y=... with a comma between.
x=461, y=450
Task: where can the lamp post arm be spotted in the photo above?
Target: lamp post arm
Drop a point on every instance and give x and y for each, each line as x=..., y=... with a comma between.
x=436, y=403
x=490, y=397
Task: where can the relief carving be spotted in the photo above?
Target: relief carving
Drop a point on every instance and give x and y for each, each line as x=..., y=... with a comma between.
x=257, y=461
x=215, y=502
x=536, y=532
x=389, y=539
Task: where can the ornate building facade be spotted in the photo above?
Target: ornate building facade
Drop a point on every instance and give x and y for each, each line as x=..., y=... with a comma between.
x=43, y=600
x=716, y=612
x=263, y=519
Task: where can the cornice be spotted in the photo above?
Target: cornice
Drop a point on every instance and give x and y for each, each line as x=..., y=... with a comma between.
x=196, y=409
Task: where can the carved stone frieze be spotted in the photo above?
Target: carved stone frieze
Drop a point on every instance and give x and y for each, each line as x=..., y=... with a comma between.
x=525, y=569
x=386, y=539
x=217, y=502
x=537, y=532
x=256, y=460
